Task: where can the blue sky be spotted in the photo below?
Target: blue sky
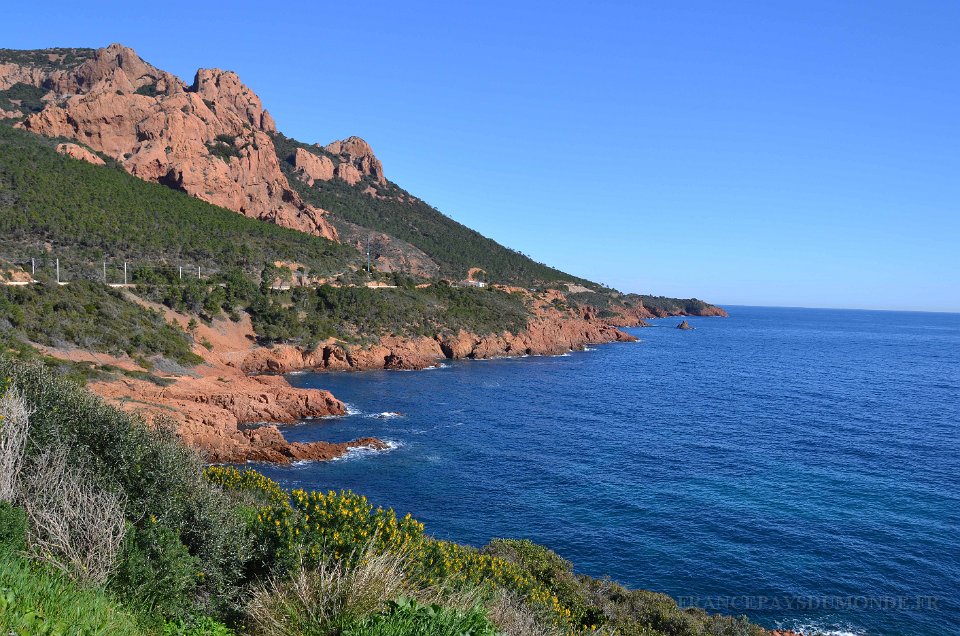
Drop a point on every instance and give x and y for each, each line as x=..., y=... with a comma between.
x=788, y=153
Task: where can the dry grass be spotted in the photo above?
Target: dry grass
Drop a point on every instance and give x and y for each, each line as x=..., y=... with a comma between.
x=327, y=597
x=513, y=617
x=14, y=430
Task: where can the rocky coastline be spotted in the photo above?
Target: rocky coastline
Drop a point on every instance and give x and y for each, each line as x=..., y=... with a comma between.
x=228, y=407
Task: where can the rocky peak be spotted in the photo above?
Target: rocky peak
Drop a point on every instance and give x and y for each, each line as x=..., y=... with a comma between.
x=113, y=63
x=356, y=160
x=225, y=90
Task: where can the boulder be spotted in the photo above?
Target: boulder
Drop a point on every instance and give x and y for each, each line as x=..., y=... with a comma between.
x=79, y=152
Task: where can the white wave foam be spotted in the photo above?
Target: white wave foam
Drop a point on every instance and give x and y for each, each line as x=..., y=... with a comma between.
x=589, y=349
x=821, y=630
x=352, y=410
x=436, y=367
x=385, y=415
x=359, y=452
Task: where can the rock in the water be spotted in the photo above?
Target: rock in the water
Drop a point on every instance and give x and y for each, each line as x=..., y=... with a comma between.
x=685, y=326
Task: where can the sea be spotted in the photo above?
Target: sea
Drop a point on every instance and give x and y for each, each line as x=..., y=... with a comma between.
x=797, y=466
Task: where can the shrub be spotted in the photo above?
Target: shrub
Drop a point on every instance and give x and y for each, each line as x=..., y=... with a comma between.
x=161, y=478
x=514, y=617
x=13, y=528
x=319, y=526
x=75, y=526
x=150, y=90
x=550, y=570
x=155, y=573
x=14, y=429
x=92, y=316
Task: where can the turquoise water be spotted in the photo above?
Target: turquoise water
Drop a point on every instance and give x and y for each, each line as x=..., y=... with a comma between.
x=799, y=466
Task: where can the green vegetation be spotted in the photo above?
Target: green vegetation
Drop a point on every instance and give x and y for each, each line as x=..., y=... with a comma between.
x=224, y=147
x=47, y=59
x=406, y=617
x=37, y=602
x=664, y=305
x=307, y=315
x=88, y=214
x=455, y=247
x=150, y=90
x=22, y=97
x=56, y=207
x=206, y=551
x=90, y=316
x=359, y=313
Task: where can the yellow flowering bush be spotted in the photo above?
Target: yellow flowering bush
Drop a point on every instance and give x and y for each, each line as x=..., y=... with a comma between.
x=313, y=525
x=249, y=482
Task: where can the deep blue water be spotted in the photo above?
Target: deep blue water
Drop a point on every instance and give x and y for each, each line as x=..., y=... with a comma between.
x=801, y=466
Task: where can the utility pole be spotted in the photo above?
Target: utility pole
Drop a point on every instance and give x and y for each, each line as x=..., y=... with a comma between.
x=198, y=272
x=58, y=271
x=368, y=253
x=104, y=272
x=124, y=272
x=181, y=272
x=33, y=268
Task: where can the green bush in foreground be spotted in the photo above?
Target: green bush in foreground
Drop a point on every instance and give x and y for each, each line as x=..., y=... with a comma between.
x=405, y=617
x=163, y=485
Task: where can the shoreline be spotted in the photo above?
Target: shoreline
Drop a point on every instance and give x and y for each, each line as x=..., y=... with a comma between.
x=229, y=407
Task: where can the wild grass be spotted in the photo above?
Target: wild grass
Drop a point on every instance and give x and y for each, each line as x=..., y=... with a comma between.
x=326, y=597
x=36, y=602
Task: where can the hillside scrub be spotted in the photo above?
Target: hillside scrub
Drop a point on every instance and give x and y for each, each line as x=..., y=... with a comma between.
x=307, y=315
x=90, y=316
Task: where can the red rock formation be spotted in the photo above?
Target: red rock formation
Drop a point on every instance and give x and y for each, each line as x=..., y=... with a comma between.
x=552, y=334
x=210, y=139
x=211, y=413
x=356, y=160
x=312, y=168
x=79, y=152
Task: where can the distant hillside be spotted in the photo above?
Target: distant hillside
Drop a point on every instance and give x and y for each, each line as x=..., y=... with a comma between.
x=386, y=207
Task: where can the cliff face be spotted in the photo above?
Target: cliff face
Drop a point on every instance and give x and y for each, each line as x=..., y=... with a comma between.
x=211, y=139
